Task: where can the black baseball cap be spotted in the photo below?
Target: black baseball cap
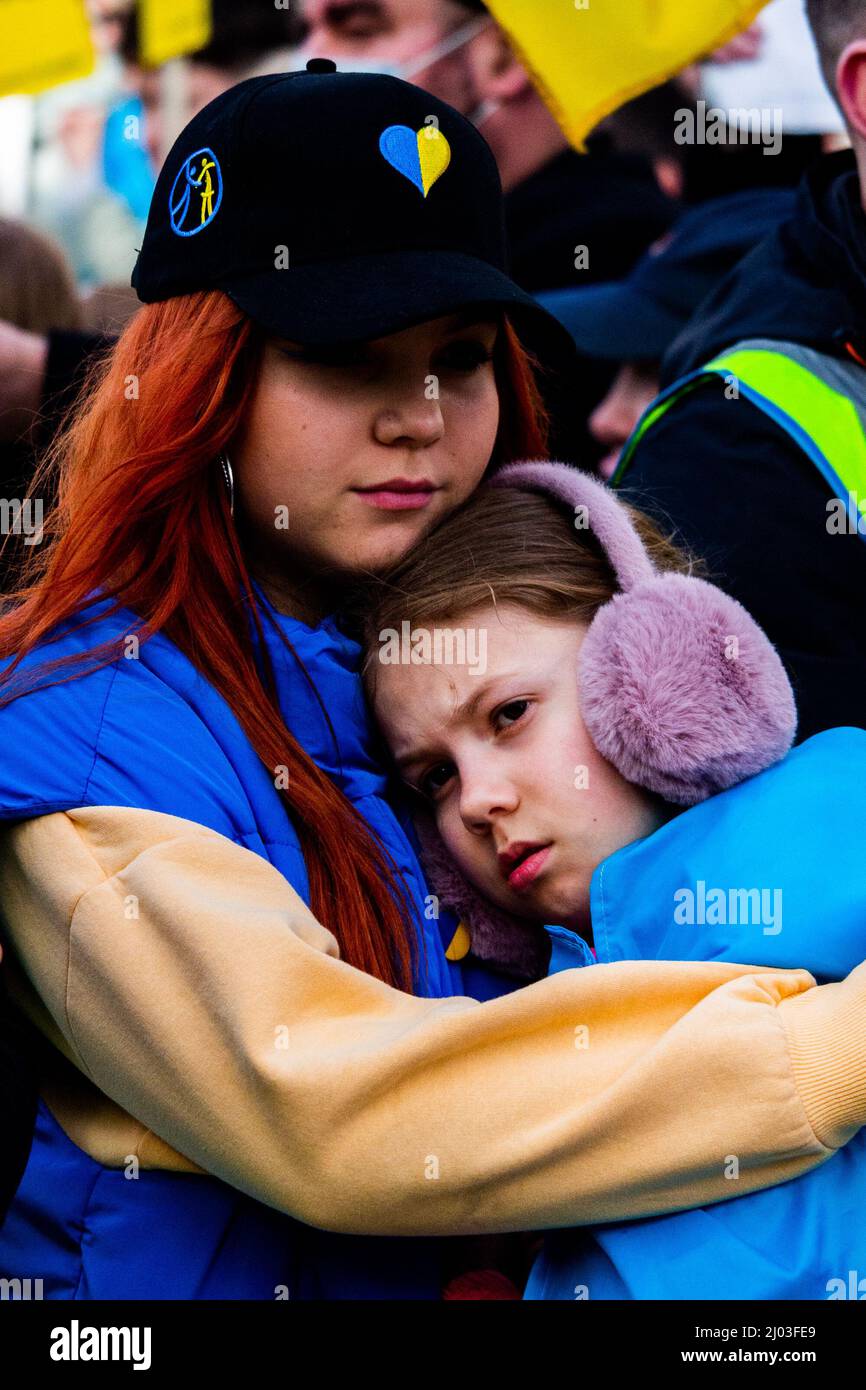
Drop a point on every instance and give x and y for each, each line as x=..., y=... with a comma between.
x=637, y=318
x=335, y=207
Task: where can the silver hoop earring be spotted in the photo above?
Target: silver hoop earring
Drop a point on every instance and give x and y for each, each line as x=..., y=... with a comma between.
x=229, y=479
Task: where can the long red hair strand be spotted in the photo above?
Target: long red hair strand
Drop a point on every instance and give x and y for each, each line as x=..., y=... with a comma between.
x=138, y=513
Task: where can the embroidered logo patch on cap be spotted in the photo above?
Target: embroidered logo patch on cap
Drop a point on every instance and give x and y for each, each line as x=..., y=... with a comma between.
x=196, y=193
x=421, y=156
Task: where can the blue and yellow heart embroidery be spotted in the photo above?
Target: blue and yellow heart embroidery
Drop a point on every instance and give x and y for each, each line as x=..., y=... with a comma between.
x=421, y=156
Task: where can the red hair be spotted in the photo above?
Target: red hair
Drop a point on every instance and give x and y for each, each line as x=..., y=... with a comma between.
x=141, y=515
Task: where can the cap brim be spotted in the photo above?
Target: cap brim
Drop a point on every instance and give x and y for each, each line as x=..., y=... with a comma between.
x=614, y=322
x=372, y=296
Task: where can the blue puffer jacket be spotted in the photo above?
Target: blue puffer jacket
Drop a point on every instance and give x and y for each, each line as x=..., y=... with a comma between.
x=795, y=832
x=83, y=1228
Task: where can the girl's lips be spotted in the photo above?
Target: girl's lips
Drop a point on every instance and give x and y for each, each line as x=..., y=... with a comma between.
x=397, y=501
x=528, y=869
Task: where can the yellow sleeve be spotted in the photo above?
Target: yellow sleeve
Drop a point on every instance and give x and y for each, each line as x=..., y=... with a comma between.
x=192, y=985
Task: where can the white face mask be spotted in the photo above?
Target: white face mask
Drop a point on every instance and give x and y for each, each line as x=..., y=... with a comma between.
x=376, y=67
x=463, y=35
x=481, y=115
x=412, y=66
x=487, y=108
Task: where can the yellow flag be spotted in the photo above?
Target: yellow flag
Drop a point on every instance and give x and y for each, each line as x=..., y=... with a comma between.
x=43, y=45
x=170, y=28
x=587, y=57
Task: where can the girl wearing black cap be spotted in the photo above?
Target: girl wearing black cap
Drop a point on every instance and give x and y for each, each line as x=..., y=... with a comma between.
x=244, y=996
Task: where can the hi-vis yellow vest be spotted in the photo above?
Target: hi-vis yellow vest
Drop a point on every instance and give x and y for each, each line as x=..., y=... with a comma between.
x=820, y=401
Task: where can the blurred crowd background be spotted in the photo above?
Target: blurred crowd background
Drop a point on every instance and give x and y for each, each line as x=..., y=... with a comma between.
x=623, y=240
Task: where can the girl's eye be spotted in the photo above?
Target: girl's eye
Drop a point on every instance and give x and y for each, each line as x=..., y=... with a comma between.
x=512, y=712
x=466, y=356
x=433, y=781
x=360, y=20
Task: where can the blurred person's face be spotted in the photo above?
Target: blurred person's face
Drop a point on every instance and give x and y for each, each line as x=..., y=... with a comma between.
x=344, y=461
x=105, y=24
x=635, y=386
x=201, y=84
x=80, y=135
x=397, y=33
x=145, y=82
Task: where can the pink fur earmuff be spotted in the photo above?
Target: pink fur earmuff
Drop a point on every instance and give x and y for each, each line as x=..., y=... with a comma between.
x=680, y=689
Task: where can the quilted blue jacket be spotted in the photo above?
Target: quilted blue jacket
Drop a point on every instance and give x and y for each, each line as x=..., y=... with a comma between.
x=152, y=733
x=770, y=872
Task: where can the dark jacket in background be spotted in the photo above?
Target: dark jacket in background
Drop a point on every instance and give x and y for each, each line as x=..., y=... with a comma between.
x=69, y=355
x=610, y=203
x=737, y=488
x=19, y=1081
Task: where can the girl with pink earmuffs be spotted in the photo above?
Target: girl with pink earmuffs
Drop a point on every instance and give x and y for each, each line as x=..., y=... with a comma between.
x=599, y=743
